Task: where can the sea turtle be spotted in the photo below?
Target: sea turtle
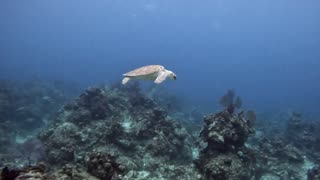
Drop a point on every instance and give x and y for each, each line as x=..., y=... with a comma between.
x=156, y=73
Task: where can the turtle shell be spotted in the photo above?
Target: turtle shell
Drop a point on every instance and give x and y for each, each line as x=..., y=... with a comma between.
x=145, y=70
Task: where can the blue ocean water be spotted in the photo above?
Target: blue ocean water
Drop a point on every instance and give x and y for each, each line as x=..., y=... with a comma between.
x=267, y=50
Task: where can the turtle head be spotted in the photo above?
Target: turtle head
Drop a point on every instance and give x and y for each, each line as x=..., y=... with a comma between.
x=172, y=75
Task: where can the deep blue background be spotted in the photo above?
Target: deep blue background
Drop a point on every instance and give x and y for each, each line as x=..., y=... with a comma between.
x=267, y=50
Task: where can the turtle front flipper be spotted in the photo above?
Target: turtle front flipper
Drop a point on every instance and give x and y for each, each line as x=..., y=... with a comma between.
x=125, y=80
x=161, y=77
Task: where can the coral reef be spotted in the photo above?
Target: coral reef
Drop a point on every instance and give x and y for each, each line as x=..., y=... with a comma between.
x=303, y=134
x=225, y=156
x=121, y=121
x=275, y=155
x=28, y=104
x=286, y=154
x=120, y=132
x=25, y=107
x=224, y=131
x=227, y=165
x=223, y=136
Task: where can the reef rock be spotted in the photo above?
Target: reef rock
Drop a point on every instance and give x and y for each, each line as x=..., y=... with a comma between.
x=104, y=166
x=303, y=134
x=36, y=172
x=215, y=165
x=314, y=173
x=224, y=131
x=225, y=156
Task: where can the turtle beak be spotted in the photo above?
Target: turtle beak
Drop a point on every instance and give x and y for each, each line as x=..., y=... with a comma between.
x=174, y=77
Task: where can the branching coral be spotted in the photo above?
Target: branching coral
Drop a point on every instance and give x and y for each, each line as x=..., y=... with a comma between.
x=33, y=150
x=229, y=103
